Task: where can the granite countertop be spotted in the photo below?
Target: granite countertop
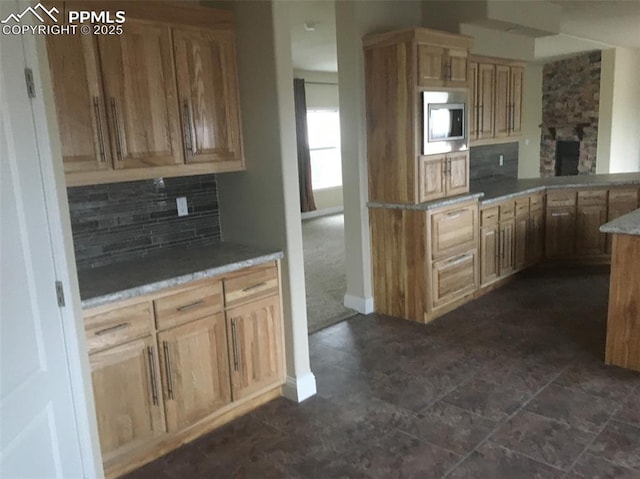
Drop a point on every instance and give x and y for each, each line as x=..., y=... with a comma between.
x=500, y=191
x=628, y=224
x=426, y=206
x=172, y=267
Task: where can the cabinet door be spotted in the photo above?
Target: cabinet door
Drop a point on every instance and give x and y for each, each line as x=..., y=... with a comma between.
x=474, y=101
x=195, y=370
x=536, y=237
x=521, y=241
x=486, y=100
x=431, y=64
x=502, y=120
x=589, y=240
x=126, y=394
x=507, y=247
x=208, y=94
x=457, y=178
x=457, y=65
x=453, y=278
x=560, y=232
x=432, y=177
x=454, y=230
x=489, y=254
x=515, y=97
x=255, y=341
x=79, y=101
x=139, y=81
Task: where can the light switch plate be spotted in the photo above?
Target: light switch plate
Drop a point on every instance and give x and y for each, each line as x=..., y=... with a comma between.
x=181, y=203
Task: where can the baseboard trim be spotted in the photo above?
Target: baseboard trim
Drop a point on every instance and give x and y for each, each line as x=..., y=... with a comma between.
x=300, y=388
x=361, y=305
x=324, y=212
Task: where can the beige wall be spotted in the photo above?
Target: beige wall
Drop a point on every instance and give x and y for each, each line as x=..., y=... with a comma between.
x=321, y=90
x=529, y=146
x=261, y=206
x=353, y=21
x=605, y=111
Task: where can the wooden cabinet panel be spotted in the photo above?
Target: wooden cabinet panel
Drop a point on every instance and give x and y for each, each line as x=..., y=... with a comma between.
x=474, y=101
x=489, y=216
x=521, y=241
x=432, y=177
x=561, y=198
x=457, y=64
x=79, y=101
x=486, y=100
x=139, y=81
x=254, y=284
x=453, y=278
x=208, y=95
x=621, y=202
x=515, y=95
x=457, y=178
x=195, y=370
x=255, y=341
x=507, y=247
x=535, y=249
x=560, y=232
x=184, y=306
x=118, y=326
x=431, y=65
x=453, y=230
x=589, y=240
x=127, y=400
x=489, y=254
x=502, y=120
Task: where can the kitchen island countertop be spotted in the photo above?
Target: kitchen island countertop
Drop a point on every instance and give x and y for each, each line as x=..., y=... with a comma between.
x=628, y=224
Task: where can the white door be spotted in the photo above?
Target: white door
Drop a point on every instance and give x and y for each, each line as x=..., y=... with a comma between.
x=38, y=429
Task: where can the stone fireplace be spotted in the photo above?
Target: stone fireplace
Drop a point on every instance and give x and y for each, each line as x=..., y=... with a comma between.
x=570, y=103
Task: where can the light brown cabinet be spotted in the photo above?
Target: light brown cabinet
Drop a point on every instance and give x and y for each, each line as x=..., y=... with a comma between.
x=453, y=278
x=453, y=230
x=507, y=247
x=489, y=254
x=560, y=232
x=516, y=80
x=160, y=99
x=443, y=175
x=195, y=370
x=399, y=67
x=482, y=101
x=591, y=214
x=621, y=201
x=535, y=248
x=255, y=342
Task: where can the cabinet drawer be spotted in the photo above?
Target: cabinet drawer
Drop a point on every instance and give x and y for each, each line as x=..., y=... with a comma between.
x=489, y=216
x=592, y=197
x=453, y=278
x=536, y=202
x=250, y=286
x=507, y=210
x=624, y=195
x=118, y=326
x=454, y=230
x=522, y=206
x=187, y=305
x=561, y=198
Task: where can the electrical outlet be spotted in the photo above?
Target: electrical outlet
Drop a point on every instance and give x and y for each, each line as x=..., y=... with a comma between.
x=501, y=160
x=181, y=203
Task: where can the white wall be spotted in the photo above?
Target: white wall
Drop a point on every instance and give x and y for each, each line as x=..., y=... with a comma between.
x=624, y=154
x=261, y=206
x=354, y=19
x=321, y=90
x=529, y=148
x=605, y=111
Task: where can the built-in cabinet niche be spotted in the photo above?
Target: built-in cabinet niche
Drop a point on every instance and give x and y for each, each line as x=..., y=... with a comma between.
x=160, y=99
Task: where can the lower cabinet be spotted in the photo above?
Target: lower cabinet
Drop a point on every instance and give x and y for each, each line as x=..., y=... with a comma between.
x=535, y=239
x=589, y=240
x=621, y=201
x=453, y=278
x=195, y=370
x=489, y=254
x=560, y=232
x=126, y=392
x=179, y=359
x=507, y=247
x=255, y=341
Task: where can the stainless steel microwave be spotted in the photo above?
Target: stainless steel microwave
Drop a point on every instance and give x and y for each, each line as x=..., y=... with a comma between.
x=444, y=121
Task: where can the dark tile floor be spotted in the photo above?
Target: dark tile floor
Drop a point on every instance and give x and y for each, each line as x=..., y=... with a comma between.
x=508, y=386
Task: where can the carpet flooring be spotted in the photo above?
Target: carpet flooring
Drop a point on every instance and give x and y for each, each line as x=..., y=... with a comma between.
x=509, y=386
x=324, y=271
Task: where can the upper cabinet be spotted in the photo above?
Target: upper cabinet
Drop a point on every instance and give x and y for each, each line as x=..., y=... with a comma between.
x=160, y=99
x=495, y=100
x=440, y=66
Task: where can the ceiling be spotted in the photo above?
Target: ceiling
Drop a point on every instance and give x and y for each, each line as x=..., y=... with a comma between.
x=586, y=25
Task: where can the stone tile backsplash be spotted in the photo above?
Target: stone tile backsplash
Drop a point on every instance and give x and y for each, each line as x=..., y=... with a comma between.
x=122, y=221
x=484, y=163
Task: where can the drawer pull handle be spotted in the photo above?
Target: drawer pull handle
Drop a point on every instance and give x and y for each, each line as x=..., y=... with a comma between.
x=255, y=286
x=116, y=127
x=454, y=214
x=189, y=306
x=458, y=260
x=560, y=214
x=167, y=365
x=96, y=111
x=152, y=368
x=234, y=337
x=111, y=329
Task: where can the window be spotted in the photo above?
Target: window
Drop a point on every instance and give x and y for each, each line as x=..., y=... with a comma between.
x=324, y=145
